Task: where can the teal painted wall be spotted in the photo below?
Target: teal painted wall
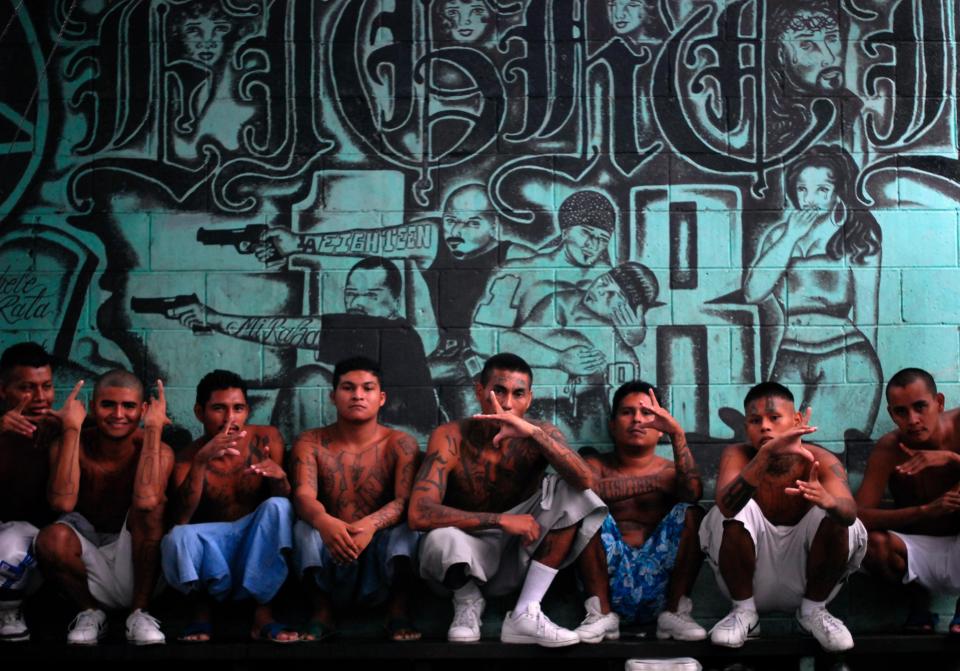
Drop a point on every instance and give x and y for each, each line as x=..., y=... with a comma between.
x=702, y=194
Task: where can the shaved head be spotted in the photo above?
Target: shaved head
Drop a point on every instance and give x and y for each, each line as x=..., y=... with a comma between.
x=118, y=378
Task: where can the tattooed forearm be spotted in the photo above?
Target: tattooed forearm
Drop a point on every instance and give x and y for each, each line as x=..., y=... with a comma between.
x=63, y=487
x=618, y=489
x=570, y=465
x=689, y=485
x=735, y=496
x=149, y=484
x=426, y=515
x=189, y=493
x=840, y=473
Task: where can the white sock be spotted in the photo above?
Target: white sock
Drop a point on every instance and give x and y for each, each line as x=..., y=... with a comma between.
x=535, y=585
x=469, y=592
x=746, y=604
x=807, y=606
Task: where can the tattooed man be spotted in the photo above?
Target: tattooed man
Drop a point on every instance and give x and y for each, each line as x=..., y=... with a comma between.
x=784, y=534
x=495, y=520
x=27, y=426
x=352, y=484
x=647, y=555
x=917, y=541
x=109, y=483
x=234, y=520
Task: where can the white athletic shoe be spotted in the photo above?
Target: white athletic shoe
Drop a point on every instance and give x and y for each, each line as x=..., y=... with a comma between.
x=597, y=626
x=534, y=626
x=144, y=629
x=672, y=664
x=465, y=627
x=12, y=625
x=87, y=628
x=733, y=630
x=680, y=625
x=829, y=630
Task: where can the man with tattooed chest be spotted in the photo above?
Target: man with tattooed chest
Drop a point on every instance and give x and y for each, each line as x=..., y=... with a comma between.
x=645, y=559
x=352, y=484
x=496, y=522
x=108, y=482
x=234, y=520
x=784, y=534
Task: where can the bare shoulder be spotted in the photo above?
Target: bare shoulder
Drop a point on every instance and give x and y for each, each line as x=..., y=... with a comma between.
x=313, y=438
x=952, y=419
x=824, y=456
x=271, y=433
x=737, y=452
x=401, y=442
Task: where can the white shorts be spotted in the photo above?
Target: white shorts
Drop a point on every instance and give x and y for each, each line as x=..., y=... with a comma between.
x=780, y=577
x=933, y=561
x=18, y=564
x=108, y=559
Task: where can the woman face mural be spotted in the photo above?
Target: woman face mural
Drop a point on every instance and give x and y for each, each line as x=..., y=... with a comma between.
x=816, y=189
x=464, y=21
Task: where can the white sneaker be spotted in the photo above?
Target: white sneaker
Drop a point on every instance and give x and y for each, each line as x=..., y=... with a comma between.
x=672, y=664
x=680, y=625
x=144, y=629
x=87, y=628
x=829, y=630
x=597, y=626
x=733, y=630
x=534, y=626
x=12, y=625
x=465, y=627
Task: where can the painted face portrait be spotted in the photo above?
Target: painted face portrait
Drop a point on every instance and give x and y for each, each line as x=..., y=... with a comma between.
x=626, y=16
x=603, y=295
x=203, y=38
x=464, y=21
x=469, y=227
x=585, y=245
x=811, y=52
x=367, y=293
x=816, y=189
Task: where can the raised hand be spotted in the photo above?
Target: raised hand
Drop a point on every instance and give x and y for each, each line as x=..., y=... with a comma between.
x=812, y=490
x=789, y=442
x=72, y=413
x=337, y=539
x=521, y=525
x=268, y=468
x=13, y=420
x=629, y=323
x=221, y=445
x=660, y=419
x=920, y=460
x=511, y=426
x=156, y=415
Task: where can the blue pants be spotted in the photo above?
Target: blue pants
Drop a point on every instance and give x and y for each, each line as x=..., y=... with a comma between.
x=639, y=576
x=364, y=581
x=240, y=559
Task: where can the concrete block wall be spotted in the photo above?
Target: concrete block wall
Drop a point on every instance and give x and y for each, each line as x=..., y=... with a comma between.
x=595, y=185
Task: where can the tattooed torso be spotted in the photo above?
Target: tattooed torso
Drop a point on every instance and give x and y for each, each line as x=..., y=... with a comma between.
x=230, y=489
x=24, y=468
x=106, y=484
x=352, y=483
x=488, y=478
x=639, y=515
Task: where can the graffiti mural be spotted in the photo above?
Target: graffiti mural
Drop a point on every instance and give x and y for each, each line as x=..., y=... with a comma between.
x=701, y=193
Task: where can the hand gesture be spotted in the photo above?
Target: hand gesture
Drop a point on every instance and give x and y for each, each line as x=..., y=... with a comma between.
x=812, y=490
x=947, y=504
x=521, y=525
x=511, y=426
x=156, y=415
x=661, y=420
x=221, y=445
x=268, y=468
x=13, y=421
x=629, y=323
x=362, y=534
x=337, y=539
x=789, y=442
x=582, y=360
x=799, y=222
x=919, y=460
x=73, y=412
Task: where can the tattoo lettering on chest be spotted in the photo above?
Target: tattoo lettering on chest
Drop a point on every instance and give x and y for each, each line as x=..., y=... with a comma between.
x=357, y=480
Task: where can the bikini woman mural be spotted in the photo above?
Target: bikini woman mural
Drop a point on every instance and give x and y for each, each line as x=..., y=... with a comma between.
x=820, y=268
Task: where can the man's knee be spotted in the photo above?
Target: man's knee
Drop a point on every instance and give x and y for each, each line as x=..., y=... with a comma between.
x=56, y=543
x=276, y=508
x=883, y=556
x=146, y=523
x=833, y=536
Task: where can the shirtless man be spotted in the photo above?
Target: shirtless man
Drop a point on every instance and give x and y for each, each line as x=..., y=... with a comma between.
x=109, y=483
x=234, y=520
x=784, y=533
x=28, y=425
x=920, y=463
x=495, y=519
x=647, y=552
x=352, y=484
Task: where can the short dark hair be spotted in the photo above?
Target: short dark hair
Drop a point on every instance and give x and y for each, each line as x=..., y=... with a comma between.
x=28, y=354
x=504, y=361
x=627, y=388
x=909, y=376
x=637, y=283
x=216, y=380
x=587, y=208
x=119, y=378
x=394, y=279
x=345, y=366
x=765, y=390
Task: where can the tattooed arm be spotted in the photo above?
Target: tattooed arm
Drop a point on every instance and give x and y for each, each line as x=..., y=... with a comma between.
x=689, y=486
x=267, y=451
x=426, y=501
x=737, y=479
x=826, y=487
x=156, y=459
x=568, y=464
x=620, y=488
x=305, y=478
